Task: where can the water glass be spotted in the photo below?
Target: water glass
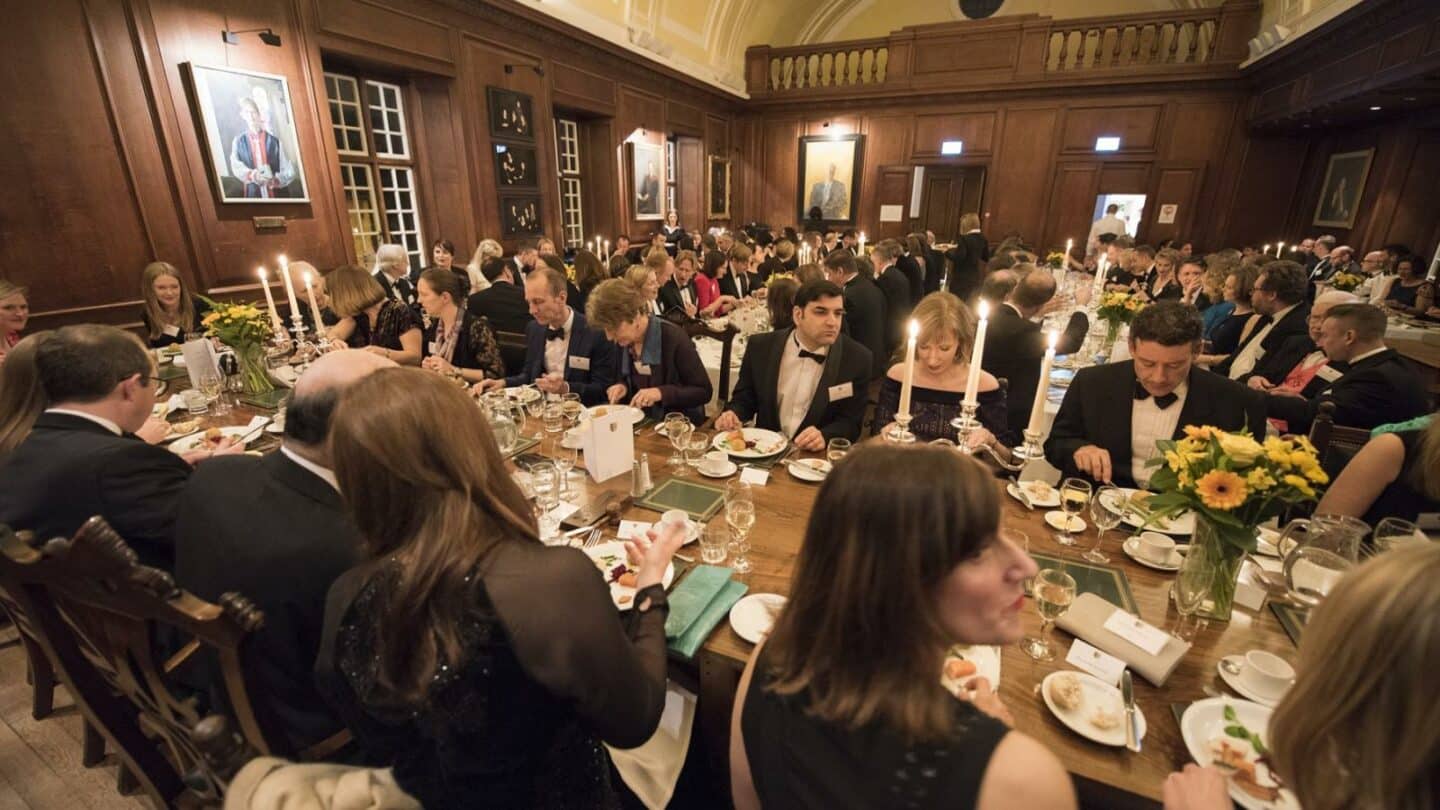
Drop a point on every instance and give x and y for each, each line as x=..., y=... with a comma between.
x=695, y=449
x=1192, y=585
x=545, y=481
x=740, y=515
x=836, y=449
x=1107, y=508
x=678, y=430
x=1391, y=533
x=713, y=542
x=565, y=458
x=1074, y=495
x=1053, y=590
x=196, y=403
x=554, y=418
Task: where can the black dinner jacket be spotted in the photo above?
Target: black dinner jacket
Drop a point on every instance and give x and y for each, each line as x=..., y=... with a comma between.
x=1098, y=405
x=898, y=297
x=770, y=267
x=910, y=268
x=504, y=304
x=277, y=533
x=407, y=290
x=865, y=321
x=736, y=285
x=681, y=377
x=1286, y=345
x=967, y=264
x=1381, y=388
x=1014, y=349
x=585, y=342
x=934, y=269
x=70, y=469
x=757, y=391
x=670, y=300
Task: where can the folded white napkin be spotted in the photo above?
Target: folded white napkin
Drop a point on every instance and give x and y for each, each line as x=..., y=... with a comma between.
x=653, y=769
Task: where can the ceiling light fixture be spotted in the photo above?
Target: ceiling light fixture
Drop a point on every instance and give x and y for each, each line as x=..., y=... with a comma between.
x=1107, y=143
x=952, y=147
x=1375, y=108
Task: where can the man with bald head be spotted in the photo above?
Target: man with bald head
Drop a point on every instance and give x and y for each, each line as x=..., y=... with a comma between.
x=1014, y=345
x=274, y=529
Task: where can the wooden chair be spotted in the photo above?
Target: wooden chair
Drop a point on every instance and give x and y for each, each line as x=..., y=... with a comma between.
x=1335, y=444
x=726, y=336
x=512, y=350
x=99, y=615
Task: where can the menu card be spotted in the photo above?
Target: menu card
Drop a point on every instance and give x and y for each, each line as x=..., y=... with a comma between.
x=199, y=359
x=609, y=447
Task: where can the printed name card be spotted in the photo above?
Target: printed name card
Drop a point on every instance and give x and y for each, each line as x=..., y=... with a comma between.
x=755, y=476
x=1135, y=630
x=1086, y=658
x=632, y=529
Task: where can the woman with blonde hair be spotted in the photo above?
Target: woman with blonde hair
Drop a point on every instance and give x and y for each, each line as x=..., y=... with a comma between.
x=21, y=397
x=486, y=250
x=942, y=365
x=14, y=315
x=170, y=312
x=371, y=320
x=447, y=653
x=1360, y=729
x=1165, y=286
x=647, y=282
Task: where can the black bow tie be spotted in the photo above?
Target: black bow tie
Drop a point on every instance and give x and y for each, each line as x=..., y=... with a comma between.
x=554, y=334
x=819, y=358
x=1162, y=402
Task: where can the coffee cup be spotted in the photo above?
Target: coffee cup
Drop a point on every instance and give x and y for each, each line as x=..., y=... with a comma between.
x=1266, y=673
x=715, y=462
x=1155, y=547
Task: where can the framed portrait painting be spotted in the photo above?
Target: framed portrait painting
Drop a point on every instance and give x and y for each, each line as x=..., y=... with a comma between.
x=647, y=179
x=830, y=177
x=1344, y=184
x=516, y=166
x=512, y=114
x=719, y=189
x=249, y=135
x=520, y=215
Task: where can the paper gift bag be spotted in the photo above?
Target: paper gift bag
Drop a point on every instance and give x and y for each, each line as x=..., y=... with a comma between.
x=200, y=359
x=609, y=447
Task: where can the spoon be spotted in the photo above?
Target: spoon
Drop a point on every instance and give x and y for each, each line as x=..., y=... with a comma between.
x=1228, y=664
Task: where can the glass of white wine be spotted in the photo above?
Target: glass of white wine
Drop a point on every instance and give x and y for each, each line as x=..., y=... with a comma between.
x=571, y=407
x=1107, y=508
x=740, y=514
x=1074, y=495
x=1053, y=590
x=554, y=420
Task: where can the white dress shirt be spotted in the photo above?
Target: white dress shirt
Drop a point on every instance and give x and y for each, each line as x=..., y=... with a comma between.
x=1245, y=361
x=556, y=349
x=323, y=473
x=798, y=378
x=1149, y=423
x=99, y=420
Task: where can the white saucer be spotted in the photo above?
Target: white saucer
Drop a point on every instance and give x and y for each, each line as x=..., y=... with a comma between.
x=1095, y=691
x=1132, y=548
x=1234, y=682
x=1050, y=500
x=730, y=469
x=1056, y=519
x=753, y=616
x=813, y=470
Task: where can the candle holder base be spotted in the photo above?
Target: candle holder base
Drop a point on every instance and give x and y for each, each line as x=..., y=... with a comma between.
x=898, y=432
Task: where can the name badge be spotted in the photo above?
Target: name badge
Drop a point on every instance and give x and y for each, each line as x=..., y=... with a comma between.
x=844, y=390
x=1329, y=374
x=171, y=331
x=641, y=368
x=582, y=363
x=434, y=347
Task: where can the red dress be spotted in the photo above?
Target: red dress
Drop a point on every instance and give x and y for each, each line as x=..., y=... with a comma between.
x=706, y=290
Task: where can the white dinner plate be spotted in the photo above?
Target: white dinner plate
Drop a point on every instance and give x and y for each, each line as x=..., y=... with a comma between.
x=1056, y=520
x=274, y=428
x=193, y=441
x=813, y=470
x=759, y=443
x=729, y=470
x=521, y=394
x=1096, y=694
x=1183, y=523
x=985, y=658
x=1132, y=548
x=627, y=412
x=1041, y=494
x=753, y=616
x=1205, y=721
x=606, y=557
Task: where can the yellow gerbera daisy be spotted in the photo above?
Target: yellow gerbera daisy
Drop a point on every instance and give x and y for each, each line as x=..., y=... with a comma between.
x=1222, y=489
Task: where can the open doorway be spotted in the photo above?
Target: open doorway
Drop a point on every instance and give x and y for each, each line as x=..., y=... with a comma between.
x=1131, y=209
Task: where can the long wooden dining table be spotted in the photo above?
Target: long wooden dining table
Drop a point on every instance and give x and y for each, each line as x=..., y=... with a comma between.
x=1104, y=776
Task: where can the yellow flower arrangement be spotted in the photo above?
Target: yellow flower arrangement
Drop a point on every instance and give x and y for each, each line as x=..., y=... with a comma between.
x=1055, y=259
x=774, y=277
x=1118, y=307
x=244, y=328
x=1221, y=489
x=1346, y=281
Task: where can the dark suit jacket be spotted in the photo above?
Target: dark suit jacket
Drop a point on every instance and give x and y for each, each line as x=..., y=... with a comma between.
x=1098, y=405
x=681, y=377
x=585, y=342
x=504, y=304
x=1285, y=345
x=757, y=390
x=967, y=264
x=670, y=300
x=407, y=290
x=910, y=269
x=1379, y=389
x=898, y=299
x=1014, y=349
x=733, y=285
x=768, y=268
x=865, y=321
x=277, y=533
x=934, y=269
x=70, y=469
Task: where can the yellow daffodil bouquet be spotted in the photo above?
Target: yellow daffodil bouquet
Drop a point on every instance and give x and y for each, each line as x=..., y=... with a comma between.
x=1055, y=259
x=244, y=328
x=774, y=277
x=1119, y=307
x=1346, y=282
x=1232, y=481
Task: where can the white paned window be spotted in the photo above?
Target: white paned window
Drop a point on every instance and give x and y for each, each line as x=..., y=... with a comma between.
x=402, y=216
x=387, y=119
x=670, y=175
x=572, y=214
x=343, y=95
x=364, y=213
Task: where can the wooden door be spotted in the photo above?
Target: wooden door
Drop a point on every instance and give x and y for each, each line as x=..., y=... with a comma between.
x=949, y=191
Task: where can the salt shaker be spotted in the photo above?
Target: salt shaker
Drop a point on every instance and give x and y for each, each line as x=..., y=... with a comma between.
x=645, y=482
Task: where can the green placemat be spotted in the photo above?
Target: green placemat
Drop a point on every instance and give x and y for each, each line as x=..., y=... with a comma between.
x=523, y=445
x=1293, y=619
x=270, y=400
x=1104, y=581
x=170, y=371
x=700, y=501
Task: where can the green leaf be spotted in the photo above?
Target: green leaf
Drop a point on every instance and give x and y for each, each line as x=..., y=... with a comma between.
x=1238, y=732
x=1230, y=714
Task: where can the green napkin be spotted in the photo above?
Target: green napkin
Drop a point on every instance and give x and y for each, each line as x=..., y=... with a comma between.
x=698, y=604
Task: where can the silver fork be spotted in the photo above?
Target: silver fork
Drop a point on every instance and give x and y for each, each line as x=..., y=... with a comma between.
x=593, y=539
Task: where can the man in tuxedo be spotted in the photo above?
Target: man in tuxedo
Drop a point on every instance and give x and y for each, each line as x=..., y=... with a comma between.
x=808, y=382
x=275, y=530
x=1305, y=253
x=1097, y=436
x=83, y=458
x=392, y=270
x=682, y=285
x=503, y=302
x=526, y=254
x=850, y=242
x=670, y=297
x=563, y=354
x=1269, y=352
x=737, y=283
x=934, y=264
x=896, y=288
x=864, y=307
x=830, y=197
x=1368, y=383
x=1014, y=346
x=1319, y=262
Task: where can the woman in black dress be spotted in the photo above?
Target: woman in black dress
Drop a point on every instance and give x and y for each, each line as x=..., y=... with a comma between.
x=457, y=343
x=660, y=370
x=448, y=653
x=1393, y=475
x=1410, y=292
x=371, y=320
x=842, y=707
x=170, y=312
x=1165, y=286
x=1227, y=335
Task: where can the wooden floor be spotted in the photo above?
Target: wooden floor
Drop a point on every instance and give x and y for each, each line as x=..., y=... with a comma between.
x=40, y=759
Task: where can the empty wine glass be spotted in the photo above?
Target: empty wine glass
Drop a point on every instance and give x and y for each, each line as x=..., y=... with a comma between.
x=1074, y=494
x=554, y=420
x=1107, y=507
x=1053, y=590
x=740, y=515
x=565, y=458
x=1391, y=533
x=679, y=431
x=545, y=480
x=534, y=402
x=1192, y=585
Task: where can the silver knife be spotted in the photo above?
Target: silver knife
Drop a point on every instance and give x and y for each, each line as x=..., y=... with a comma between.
x=1132, y=720
x=1020, y=491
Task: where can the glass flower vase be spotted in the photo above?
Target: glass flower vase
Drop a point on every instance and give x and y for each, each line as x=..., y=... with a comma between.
x=1225, y=546
x=254, y=378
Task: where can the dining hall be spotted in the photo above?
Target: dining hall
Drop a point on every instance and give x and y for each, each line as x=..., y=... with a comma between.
x=608, y=404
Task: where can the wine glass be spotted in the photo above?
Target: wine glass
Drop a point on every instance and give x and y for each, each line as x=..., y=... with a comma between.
x=554, y=420
x=209, y=385
x=1391, y=533
x=1054, y=590
x=565, y=458
x=1192, y=585
x=534, y=402
x=740, y=514
x=695, y=448
x=571, y=408
x=1107, y=508
x=1074, y=494
x=679, y=431
x=545, y=480
x=836, y=449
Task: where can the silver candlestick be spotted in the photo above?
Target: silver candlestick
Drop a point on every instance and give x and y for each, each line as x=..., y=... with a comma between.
x=898, y=432
x=305, y=351
x=966, y=424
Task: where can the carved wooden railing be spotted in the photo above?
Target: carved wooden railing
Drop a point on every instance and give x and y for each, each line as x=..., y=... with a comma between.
x=1016, y=50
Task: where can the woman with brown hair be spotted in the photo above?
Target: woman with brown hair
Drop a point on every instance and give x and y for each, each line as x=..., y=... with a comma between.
x=371, y=320
x=589, y=272
x=842, y=707
x=707, y=285
x=780, y=301
x=660, y=370
x=485, y=667
x=21, y=396
x=457, y=343
x=1228, y=334
x=1360, y=729
x=169, y=311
